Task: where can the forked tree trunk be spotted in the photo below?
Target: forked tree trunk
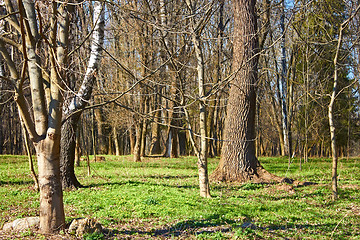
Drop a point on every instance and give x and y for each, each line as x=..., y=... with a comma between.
x=238, y=161
x=79, y=101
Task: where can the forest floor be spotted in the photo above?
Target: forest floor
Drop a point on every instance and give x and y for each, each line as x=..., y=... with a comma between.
x=158, y=198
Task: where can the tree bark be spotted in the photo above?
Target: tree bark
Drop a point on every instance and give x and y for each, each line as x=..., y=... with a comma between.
x=116, y=141
x=52, y=217
x=238, y=162
x=155, y=134
x=78, y=102
x=67, y=159
x=201, y=150
x=137, y=146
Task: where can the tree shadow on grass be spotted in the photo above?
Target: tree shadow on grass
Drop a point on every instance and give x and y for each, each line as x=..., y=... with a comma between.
x=136, y=183
x=212, y=224
x=16, y=182
x=216, y=223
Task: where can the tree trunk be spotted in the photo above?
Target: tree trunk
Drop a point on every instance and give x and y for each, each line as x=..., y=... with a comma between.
x=77, y=147
x=137, y=147
x=238, y=162
x=79, y=101
x=144, y=129
x=116, y=141
x=283, y=86
x=132, y=133
x=52, y=217
x=155, y=139
x=67, y=156
x=28, y=152
x=103, y=144
x=201, y=150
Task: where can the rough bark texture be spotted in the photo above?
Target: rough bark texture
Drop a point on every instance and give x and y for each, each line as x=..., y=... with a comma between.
x=52, y=217
x=68, y=145
x=79, y=101
x=238, y=162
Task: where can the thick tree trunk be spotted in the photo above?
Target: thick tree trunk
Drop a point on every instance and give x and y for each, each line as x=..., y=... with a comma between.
x=238, y=162
x=52, y=217
x=67, y=156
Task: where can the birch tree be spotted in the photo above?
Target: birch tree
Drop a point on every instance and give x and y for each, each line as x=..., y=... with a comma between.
x=75, y=104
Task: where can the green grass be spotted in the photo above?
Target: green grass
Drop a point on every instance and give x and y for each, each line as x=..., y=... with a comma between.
x=159, y=198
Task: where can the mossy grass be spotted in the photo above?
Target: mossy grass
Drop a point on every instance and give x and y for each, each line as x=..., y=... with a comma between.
x=159, y=198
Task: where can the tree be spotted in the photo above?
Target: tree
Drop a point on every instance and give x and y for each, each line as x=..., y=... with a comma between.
x=201, y=149
x=75, y=104
x=334, y=93
x=46, y=109
x=238, y=161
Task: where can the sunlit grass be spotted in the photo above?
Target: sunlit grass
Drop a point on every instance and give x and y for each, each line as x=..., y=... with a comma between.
x=159, y=197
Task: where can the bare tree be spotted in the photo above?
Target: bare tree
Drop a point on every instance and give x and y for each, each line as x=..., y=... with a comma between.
x=44, y=127
x=75, y=104
x=238, y=161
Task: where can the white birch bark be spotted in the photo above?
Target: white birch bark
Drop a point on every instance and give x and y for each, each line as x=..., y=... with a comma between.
x=80, y=100
x=283, y=85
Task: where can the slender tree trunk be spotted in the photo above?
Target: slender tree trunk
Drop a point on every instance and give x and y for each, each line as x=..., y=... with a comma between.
x=28, y=151
x=132, y=133
x=137, y=146
x=283, y=85
x=103, y=144
x=201, y=150
x=155, y=129
x=116, y=141
x=77, y=147
x=144, y=129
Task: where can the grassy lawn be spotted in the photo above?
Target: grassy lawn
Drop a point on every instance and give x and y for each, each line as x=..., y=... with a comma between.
x=159, y=198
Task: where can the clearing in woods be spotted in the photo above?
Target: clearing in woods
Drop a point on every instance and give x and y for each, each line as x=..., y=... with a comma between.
x=159, y=199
